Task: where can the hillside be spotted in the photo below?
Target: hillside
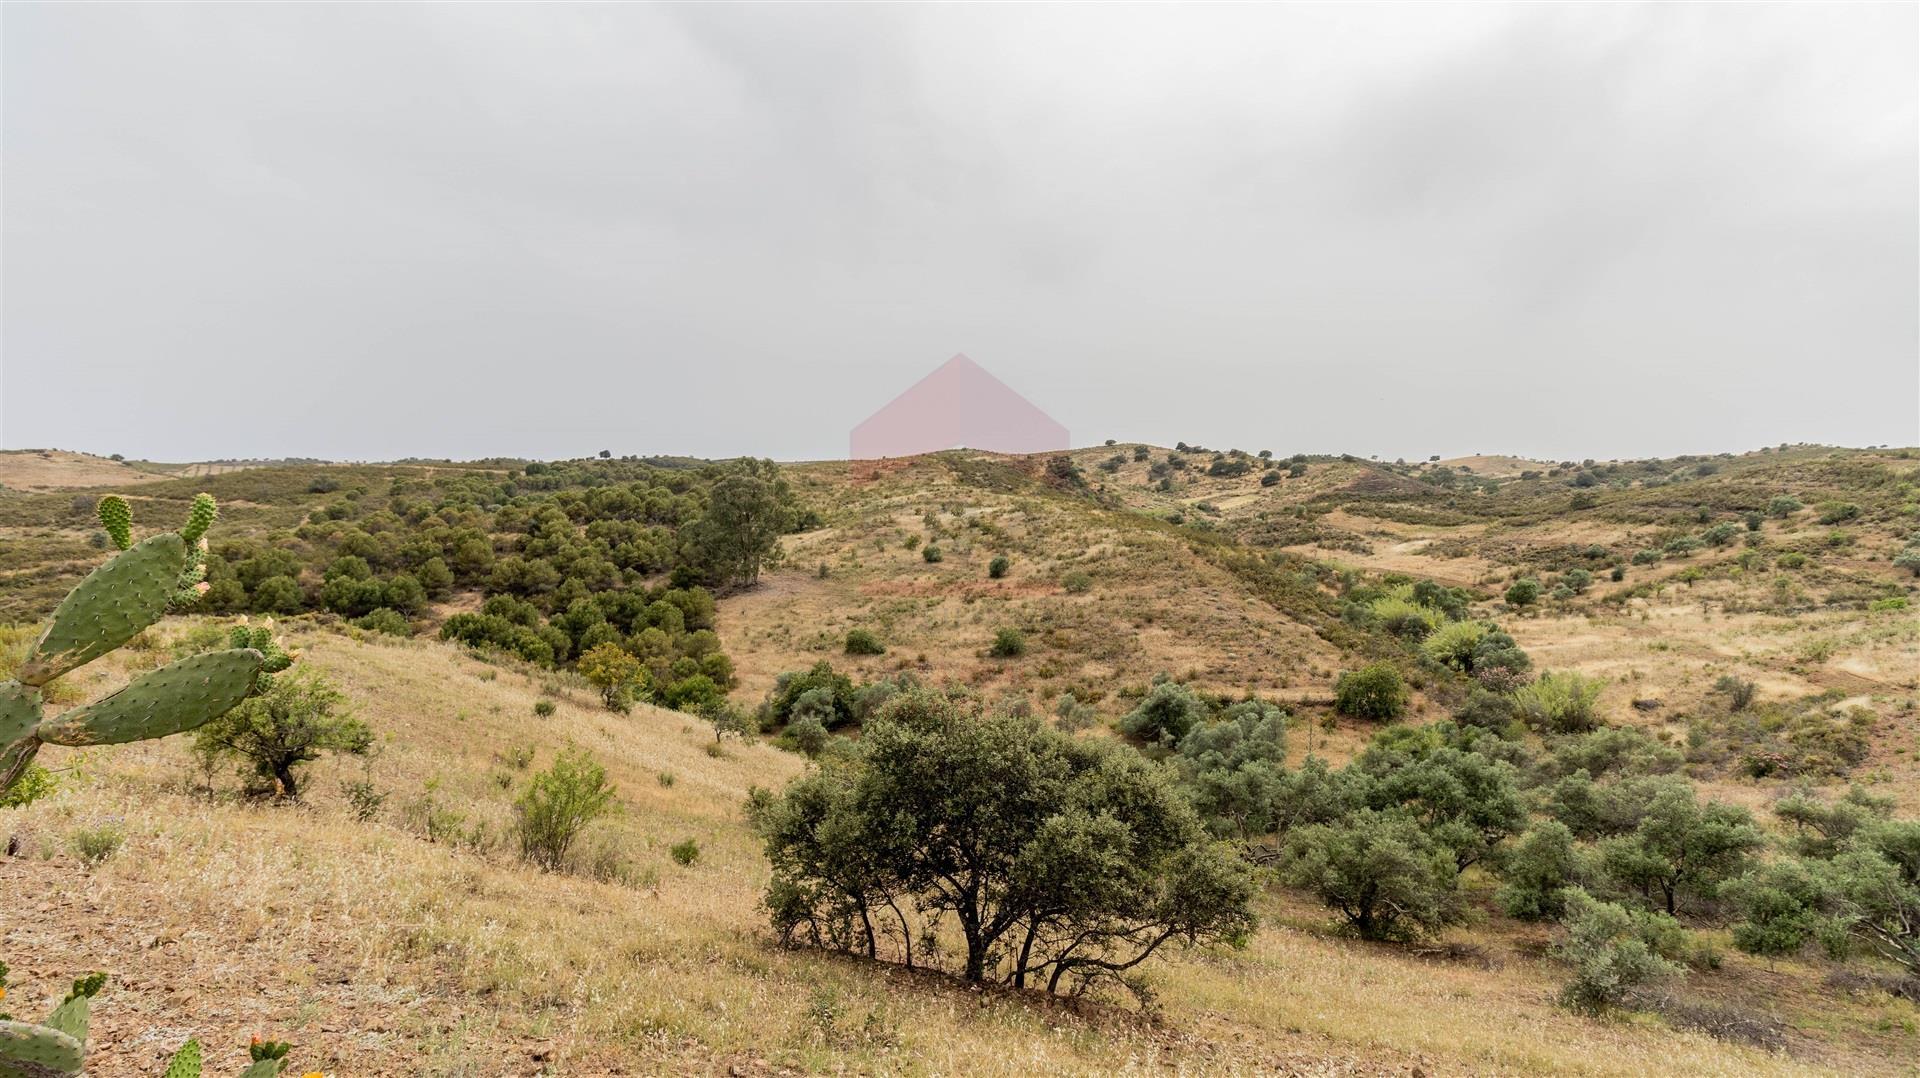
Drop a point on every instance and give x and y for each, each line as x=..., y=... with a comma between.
x=417, y=942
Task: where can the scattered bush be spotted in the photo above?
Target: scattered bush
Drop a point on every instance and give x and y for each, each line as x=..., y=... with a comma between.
x=809, y=734
x=1380, y=870
x=1836, y=512
x=1523, y=592
x=557, y=806
x=685, y=854
x=1076, y=583
x=1008, y=644
x=385, y=620
x=543, y=708
x=1165, y=714
x=288, y=726
x=1560, y=703
x=998, y=567
x=1374, y=691
x=931, y=553
x=1614, y=952
x=615, y=672
x=1542, y=865
x=863, y=642
x=95, y=845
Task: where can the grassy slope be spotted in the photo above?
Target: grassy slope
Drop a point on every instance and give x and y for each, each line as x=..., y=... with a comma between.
x=382, y=953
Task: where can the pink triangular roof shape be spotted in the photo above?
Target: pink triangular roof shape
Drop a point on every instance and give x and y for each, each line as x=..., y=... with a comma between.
x=959, y=404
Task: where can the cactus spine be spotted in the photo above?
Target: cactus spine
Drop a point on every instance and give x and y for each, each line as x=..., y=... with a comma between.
x=112, y=605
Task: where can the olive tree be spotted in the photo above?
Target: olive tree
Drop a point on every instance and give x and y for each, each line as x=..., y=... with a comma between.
x=1072, y=860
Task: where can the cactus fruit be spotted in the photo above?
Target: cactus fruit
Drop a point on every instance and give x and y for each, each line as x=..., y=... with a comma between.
x=117, y=517
x=112, y=605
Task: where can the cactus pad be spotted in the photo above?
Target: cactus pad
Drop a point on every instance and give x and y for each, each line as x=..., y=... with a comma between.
x=19, y=711
x=179, y=696
x=112, y=604
x=185, y=1062
x=199, y=518
x=30, y=1051
x=117, y=517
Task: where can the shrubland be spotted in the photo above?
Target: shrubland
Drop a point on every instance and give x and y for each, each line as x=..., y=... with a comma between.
x=1242, y=780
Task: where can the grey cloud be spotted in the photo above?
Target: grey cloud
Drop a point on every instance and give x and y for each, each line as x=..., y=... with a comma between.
x=371, y=231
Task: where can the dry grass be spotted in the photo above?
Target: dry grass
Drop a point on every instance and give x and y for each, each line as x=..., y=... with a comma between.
x=58, y=469
x=380, y=952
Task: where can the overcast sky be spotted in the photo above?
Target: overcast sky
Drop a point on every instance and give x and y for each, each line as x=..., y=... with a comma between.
x=373, y=231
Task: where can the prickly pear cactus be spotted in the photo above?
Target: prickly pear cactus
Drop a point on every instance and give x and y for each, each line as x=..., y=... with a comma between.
x=267, y=1059
x=111, y=606
x=56, y=1048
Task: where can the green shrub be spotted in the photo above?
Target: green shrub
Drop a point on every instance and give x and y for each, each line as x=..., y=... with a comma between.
x=1076, y=583
x=275, y=733
x=95, y=845
x=931, y=553
x=1165, y=714
x=543, y=708
x=1453, y=644
x=1523, y=592
x=1792, y=559
x=1560, y=703
x=1542, y=864
x=833, y=706
x=1381, y=871
x=1008, y=644
x=34, y=783
x=1783, y=506
x=1836, y=512
x=809, y=734
x=685, y=854
x=863, y=642
x=1909, y=559
x=1404, y=617
x=385, y=620
x=557, y=806
x=615, y=672
x=1614, y=952
x=998, y=567
x=1374, y=691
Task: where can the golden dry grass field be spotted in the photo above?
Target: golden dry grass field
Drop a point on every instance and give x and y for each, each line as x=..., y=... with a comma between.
x=418, y=943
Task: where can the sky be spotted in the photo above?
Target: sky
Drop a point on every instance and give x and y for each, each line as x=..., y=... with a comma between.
x=367, y=232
